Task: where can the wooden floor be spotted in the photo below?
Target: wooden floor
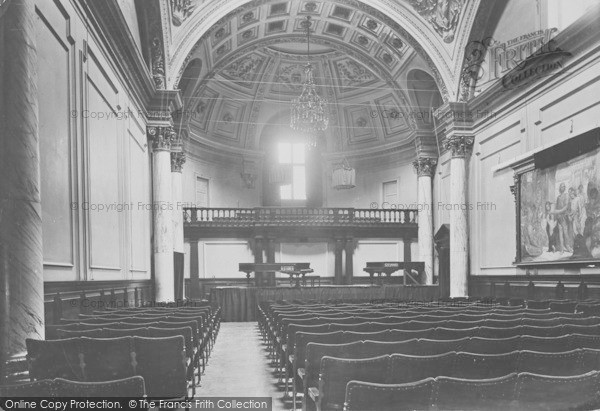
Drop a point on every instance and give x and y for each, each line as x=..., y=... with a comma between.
x=238, y=367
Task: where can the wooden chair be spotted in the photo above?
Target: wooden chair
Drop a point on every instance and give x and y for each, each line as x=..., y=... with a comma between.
x=475, y=395
x=409, y=368
x=484, y=366
x=368, y=396
x=94, y=333
x=542, y=392
x=40, y=388
x=478, y=345
x=559, y=364
x=161, y=361
x=337, y=372
x=436, y=347
x=131, y=387
x=55, y=359
x=547, y=344
x=107, y=359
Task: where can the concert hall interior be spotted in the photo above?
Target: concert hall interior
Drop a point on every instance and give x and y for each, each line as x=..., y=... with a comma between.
x=358, y=205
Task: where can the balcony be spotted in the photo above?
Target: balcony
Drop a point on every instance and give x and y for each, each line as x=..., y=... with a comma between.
x=299, y=222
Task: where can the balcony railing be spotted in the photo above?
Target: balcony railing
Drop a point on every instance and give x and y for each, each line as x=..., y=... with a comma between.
x=298, y=216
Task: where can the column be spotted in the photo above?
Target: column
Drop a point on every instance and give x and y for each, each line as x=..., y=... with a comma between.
x=21, y=261
x=177, y=161
x=460, y=147
x=338, y=273
x=425, y=168
x=258, y=250
x=194, y=271
x=349, y=261
x=164, y=277
x=270, y=250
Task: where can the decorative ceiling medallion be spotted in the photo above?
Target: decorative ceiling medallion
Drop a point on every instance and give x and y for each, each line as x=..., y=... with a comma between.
x=443, y=15
x=310, y=7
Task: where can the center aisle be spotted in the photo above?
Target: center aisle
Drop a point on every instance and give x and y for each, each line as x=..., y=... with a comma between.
x=238, y=367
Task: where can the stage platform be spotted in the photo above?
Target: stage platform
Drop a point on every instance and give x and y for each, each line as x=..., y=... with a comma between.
x=240, y=303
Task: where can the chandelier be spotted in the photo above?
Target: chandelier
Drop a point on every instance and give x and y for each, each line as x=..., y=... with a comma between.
x=309, y=110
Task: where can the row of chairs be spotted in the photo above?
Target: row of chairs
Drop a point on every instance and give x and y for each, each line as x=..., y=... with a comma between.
x=439, y=330
x=160, y=361
x=131, y=387
x=335, y=373
x=197, y=326
x=556, y=325
x=513, y=392
x=311, y=348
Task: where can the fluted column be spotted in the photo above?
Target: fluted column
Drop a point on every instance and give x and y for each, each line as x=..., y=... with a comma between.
x=177, y=161
x=161, y=138
x=425, y=168
x=21, y=261
x=460, y=147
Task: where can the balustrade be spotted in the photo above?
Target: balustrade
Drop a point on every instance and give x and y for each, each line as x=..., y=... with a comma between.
x=282, y=216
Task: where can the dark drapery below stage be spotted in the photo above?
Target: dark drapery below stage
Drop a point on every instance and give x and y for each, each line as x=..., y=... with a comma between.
x=240, y=303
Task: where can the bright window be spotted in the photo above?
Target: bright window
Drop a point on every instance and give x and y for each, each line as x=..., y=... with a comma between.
x=293, y=154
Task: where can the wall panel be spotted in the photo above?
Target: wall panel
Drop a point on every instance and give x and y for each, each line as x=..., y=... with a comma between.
x=103, y=141
x=55, y=82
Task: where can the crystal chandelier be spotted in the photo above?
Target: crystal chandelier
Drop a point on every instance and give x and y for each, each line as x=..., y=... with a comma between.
x=309, y=110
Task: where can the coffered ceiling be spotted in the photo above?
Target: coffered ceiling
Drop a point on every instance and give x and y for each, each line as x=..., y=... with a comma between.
x=247, y=62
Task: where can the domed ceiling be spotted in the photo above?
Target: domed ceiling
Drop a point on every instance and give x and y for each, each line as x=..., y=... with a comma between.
x=244, y=71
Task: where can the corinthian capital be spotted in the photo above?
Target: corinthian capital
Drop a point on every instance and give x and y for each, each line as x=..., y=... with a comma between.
x=162, y=137
x=425, y=166
x=459, y=146
x=177, y=161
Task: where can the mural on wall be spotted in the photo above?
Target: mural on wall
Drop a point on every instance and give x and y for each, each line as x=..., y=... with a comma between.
x=560, y=211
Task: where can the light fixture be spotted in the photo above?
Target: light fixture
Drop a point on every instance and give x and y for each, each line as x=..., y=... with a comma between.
x=309, y=110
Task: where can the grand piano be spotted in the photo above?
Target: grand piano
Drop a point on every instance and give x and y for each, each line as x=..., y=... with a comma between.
x=261, y=270
x=413, y=270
